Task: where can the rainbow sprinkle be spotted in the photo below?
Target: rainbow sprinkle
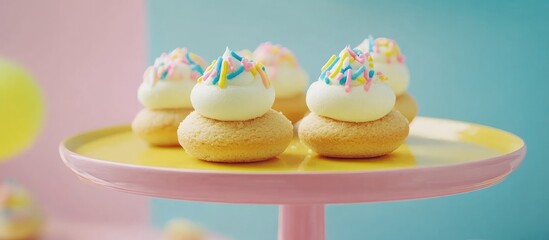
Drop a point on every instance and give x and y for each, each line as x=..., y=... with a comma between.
x=231, y=65
x=386, y=47
x=167, y=66
x=340, y=70
x=272, y=55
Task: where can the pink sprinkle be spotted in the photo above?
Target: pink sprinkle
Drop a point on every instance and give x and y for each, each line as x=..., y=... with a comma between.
x=353, y=54
x=348, y=81
x=207, y=74
x=361, y=59
x=339, y=77
x=194, y=75
x=231, y=65
x=212, y=72
x=365, y=74
x=367, y=85
x=400, y=59
x=170, y=70
x=388, y=61
x=184, y=53
x=379, y=73
x=247, y=65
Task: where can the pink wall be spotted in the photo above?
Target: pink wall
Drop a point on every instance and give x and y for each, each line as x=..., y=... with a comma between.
x=88, y=57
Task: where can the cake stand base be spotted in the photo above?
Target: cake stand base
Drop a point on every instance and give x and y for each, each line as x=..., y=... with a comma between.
x=301, y=222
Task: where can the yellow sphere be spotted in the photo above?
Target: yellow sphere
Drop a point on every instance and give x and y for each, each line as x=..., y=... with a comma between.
x=21, y=109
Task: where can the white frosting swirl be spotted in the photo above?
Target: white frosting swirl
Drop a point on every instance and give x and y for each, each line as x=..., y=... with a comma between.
x=355, y=106
x=287, y=77
x=168, y=83
x=165, y=94
x=385, y=53
x=241, y=98
x=398, y=76
x=287, y=81
x=349, y=91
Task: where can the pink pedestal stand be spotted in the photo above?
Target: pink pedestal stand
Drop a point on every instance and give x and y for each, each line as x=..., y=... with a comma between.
x=301, y=222
x=302, y=190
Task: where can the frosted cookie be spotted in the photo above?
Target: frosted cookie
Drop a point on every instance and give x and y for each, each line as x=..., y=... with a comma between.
x=351, y=110
x=388, y=59
x=19, y=217
x=233, y=120
x=159, y=127
x=406, y=105
x=165, y=94
x=288, y=78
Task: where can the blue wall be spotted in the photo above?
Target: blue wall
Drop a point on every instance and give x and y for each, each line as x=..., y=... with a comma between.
x=478, y=61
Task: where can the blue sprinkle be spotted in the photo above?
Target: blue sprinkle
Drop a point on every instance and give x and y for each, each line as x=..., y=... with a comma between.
x=238, y=57
x=345, y=69
x=235, y=73
x=218, y=69
x=263, y=68
x=323, y=74
x=324, y=77
x=358, y=72
x=198, y=69
x=357, y=51
x=371, y=73
x=164, y=75
x=342, y=80
x=189, y=58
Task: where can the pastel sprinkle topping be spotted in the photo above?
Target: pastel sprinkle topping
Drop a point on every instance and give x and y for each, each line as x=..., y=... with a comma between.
x=273, y=55
x=235, y=55
x=167, y=66
x=217, y=69
x=230, y=66
x=351, y=65
x=329, y=63
x=235, y=73
x=386, y=47
x=223, y=75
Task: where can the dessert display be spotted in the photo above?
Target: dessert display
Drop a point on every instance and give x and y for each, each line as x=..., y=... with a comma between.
x=233, y=120
x=19, y=217
x=288, y=78
x=389, y=60
x=181, y=229
x=165, y=94
x=352, y=112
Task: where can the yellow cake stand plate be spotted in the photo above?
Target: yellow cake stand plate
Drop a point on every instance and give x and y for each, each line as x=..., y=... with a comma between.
x=440, y=157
